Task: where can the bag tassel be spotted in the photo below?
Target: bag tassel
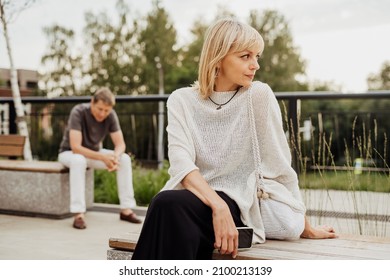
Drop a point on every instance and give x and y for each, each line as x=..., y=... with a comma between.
x=261, y=194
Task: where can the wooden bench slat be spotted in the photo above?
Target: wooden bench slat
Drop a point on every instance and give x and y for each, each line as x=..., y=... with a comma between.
x=126, y=242
x=267, y=254
x=329, y=248
x=10, y=150
x=122, y=244
x=33, y=166
x=12, y=145
x=346, y=247
x=16, y=140
x=344, y=241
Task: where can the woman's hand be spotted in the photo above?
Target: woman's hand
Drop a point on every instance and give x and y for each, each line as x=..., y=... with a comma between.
x=318, y=232
x=225, y=231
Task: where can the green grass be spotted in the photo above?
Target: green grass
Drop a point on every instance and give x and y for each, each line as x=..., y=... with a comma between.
x=146, y=183
x=346, y=181
x=105, y=190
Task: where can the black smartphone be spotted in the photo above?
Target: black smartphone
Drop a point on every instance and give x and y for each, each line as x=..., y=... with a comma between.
x=245, y=236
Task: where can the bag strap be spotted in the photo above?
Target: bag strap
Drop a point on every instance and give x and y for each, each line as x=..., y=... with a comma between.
x=256, y=149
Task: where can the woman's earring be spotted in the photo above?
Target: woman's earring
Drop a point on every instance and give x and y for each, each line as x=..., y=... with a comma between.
x=216, y=72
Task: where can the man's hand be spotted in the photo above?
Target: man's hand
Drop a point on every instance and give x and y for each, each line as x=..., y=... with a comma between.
x=111, y=161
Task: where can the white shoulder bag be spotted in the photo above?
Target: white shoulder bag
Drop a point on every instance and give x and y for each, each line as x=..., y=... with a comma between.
x=267, y=188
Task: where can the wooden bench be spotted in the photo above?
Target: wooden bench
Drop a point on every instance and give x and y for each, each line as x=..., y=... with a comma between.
x=34, y=188
x=346, y=247
x=12, y=145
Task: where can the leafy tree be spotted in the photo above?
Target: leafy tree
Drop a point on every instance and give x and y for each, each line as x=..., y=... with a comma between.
x=281, y=64
x=189, y=56
x=158, y=44
x=317, y=85
x=378, y=107
x=62, y=68
x=380, y=81
x=114, y=57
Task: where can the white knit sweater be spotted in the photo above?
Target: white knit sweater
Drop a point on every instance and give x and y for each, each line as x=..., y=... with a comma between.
x=219, y=144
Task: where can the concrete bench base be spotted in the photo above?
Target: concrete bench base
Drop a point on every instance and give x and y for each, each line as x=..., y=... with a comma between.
x=38, y=188
x=113, y=254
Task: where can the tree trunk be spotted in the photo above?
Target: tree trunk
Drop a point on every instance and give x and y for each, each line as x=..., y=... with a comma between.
x=20, y=117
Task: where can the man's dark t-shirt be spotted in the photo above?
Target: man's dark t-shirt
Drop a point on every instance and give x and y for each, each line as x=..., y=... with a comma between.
x=93, y=132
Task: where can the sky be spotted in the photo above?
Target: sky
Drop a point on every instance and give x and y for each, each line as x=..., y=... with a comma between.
x=342, y=41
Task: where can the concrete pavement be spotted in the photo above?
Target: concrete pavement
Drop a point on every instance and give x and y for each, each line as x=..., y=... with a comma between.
x=32, y=238
x=361, y=213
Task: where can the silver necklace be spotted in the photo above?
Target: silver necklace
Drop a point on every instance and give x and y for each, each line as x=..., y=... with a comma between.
x=220, y=105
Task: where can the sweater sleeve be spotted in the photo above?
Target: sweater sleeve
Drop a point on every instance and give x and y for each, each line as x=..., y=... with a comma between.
x=274, y=149
x=181, y=151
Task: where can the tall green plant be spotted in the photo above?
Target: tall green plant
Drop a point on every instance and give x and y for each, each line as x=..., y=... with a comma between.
x=146, y=183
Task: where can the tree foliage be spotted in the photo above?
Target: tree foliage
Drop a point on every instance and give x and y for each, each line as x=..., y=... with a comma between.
x=125, y=56
x=158, y=44
x=281, y=64
x=380, y=81
x=113, y=58
x=187, y=71
x=62, y=68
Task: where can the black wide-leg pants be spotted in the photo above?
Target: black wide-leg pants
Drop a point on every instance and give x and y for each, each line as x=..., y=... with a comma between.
x=179, y=226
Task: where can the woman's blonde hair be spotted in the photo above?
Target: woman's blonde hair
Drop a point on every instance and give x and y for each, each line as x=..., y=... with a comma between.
x=225, y=36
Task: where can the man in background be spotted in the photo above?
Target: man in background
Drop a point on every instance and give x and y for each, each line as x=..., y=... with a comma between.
x=81, y=147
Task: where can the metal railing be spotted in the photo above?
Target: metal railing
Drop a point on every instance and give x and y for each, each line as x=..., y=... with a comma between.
x=293, y=110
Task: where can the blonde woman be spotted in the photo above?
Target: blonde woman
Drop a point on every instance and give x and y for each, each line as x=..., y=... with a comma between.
x=211, y=158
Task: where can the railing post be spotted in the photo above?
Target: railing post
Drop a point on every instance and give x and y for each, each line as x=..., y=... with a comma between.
x=13, y=128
